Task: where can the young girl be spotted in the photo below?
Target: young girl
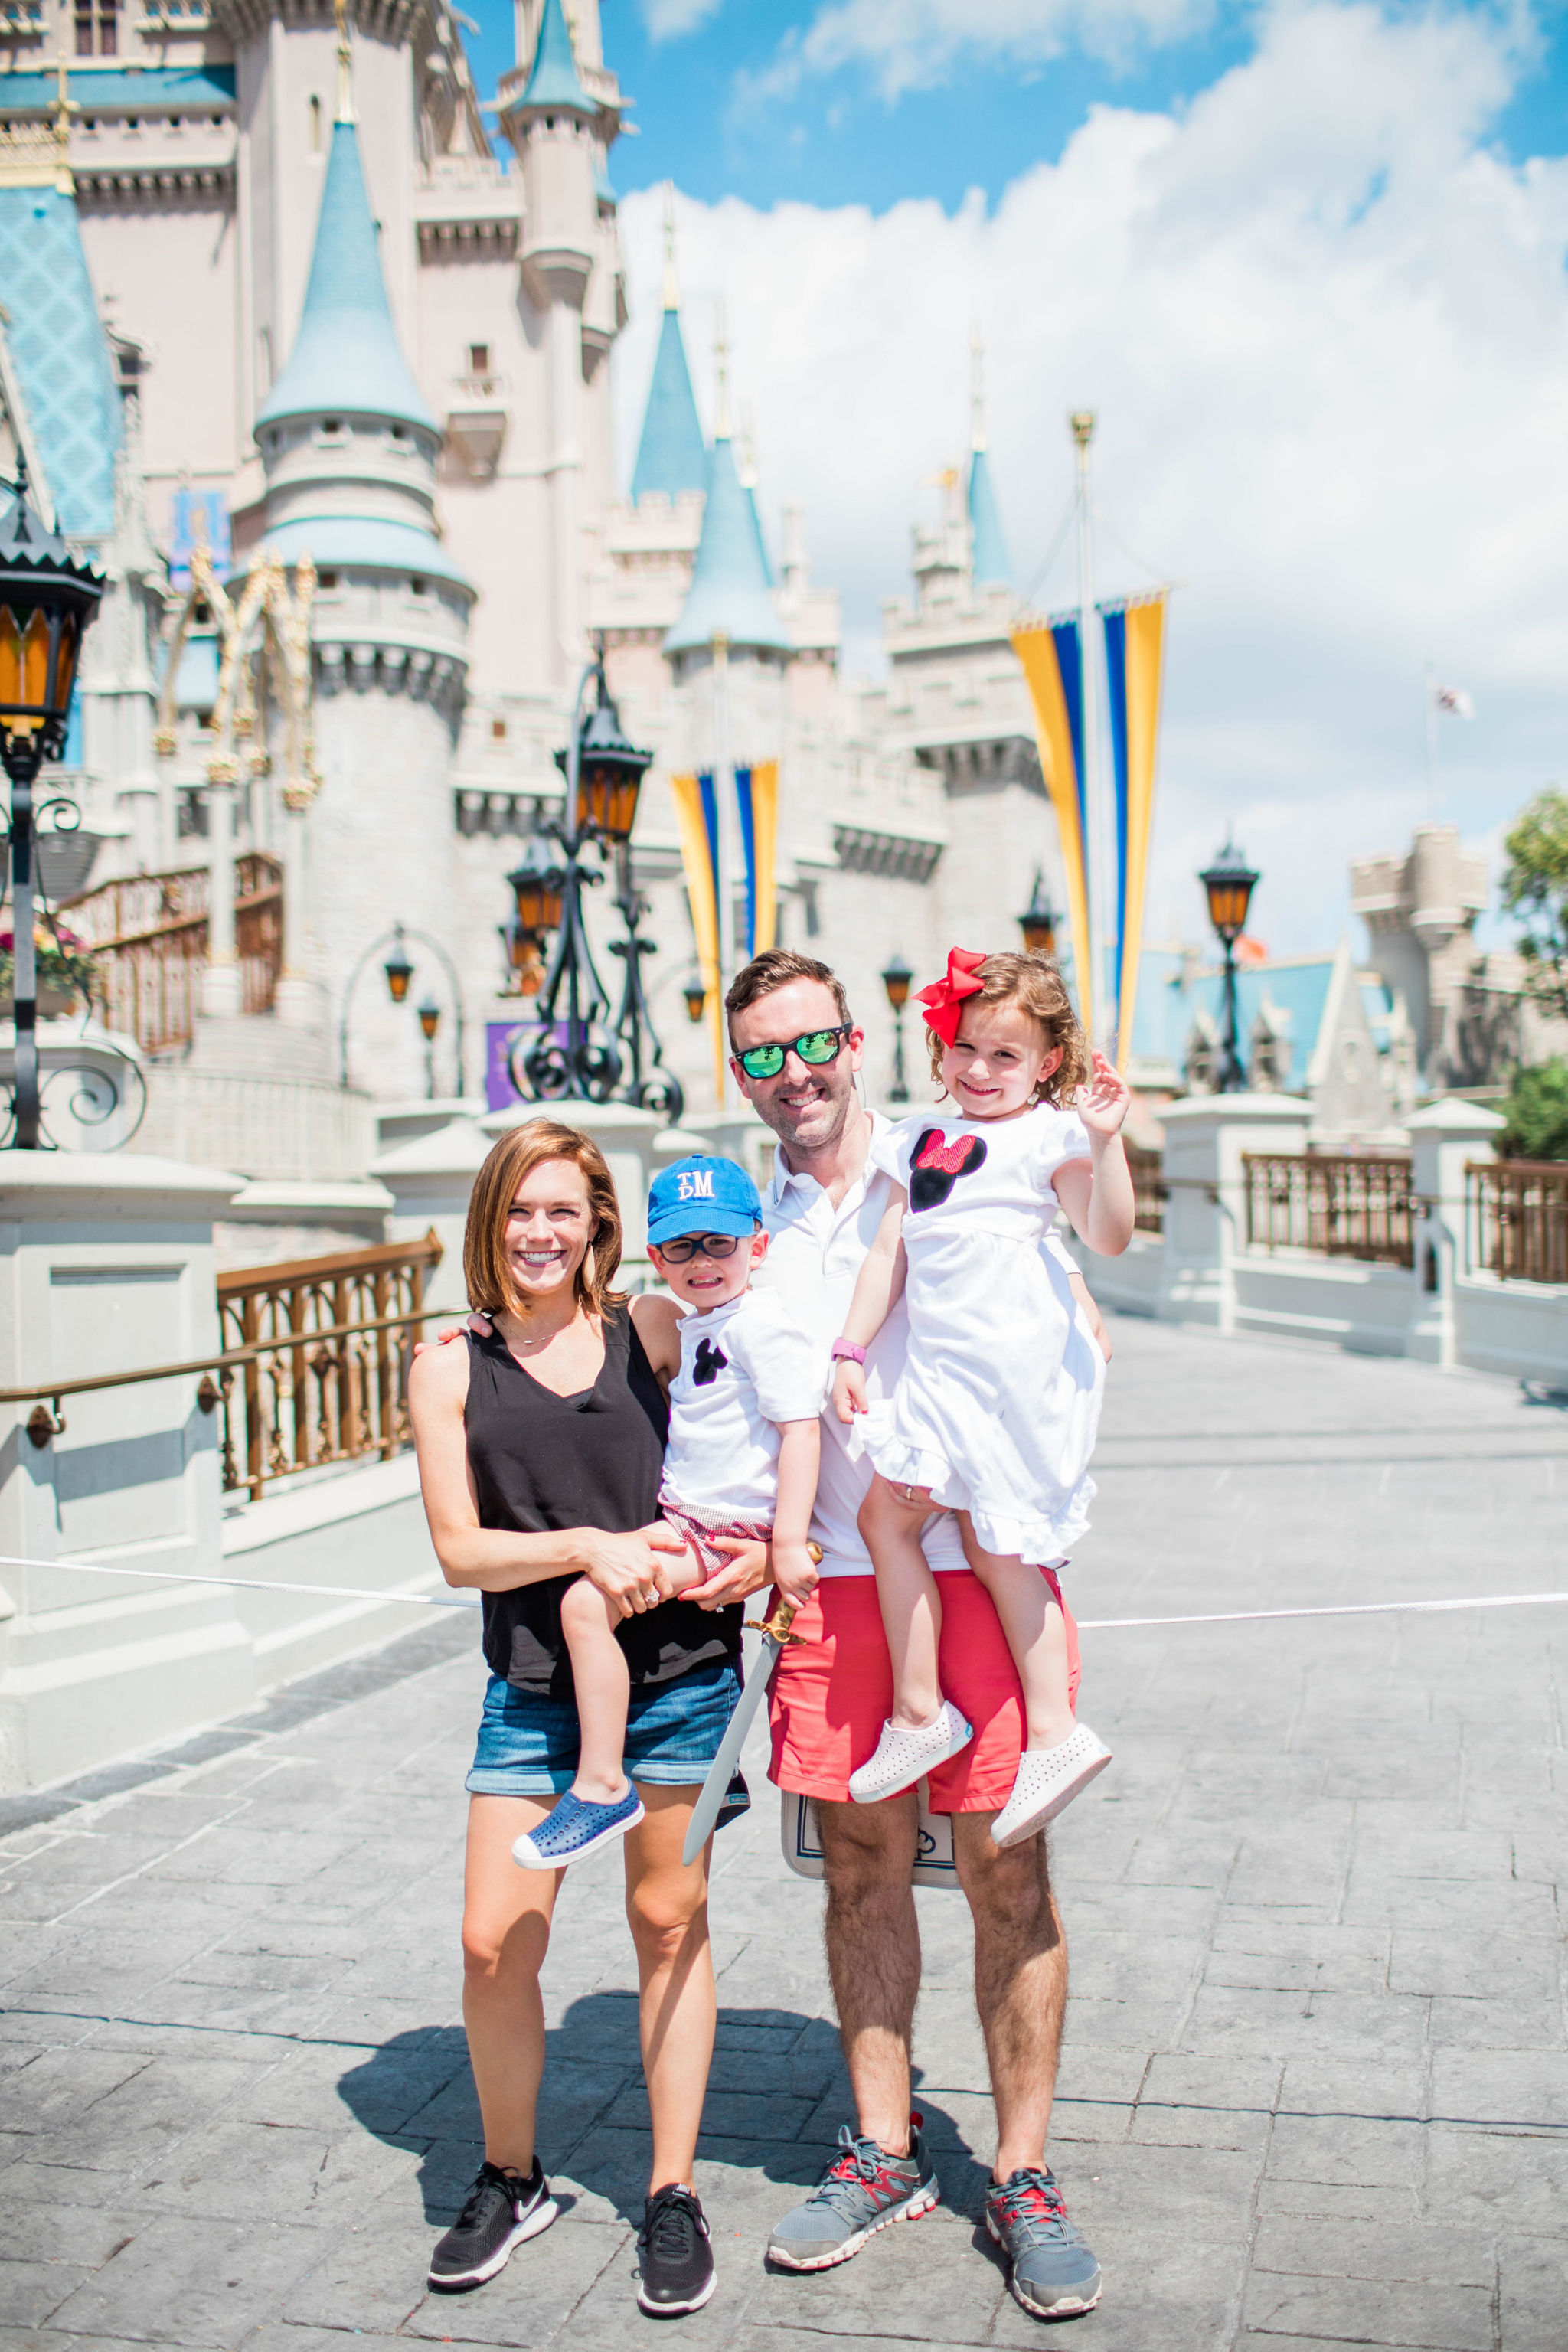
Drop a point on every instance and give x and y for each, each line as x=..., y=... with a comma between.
x=996, y=1414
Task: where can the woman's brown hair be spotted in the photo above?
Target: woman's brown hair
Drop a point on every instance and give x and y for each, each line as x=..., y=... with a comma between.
x=486, y=1270
x=1034, y=984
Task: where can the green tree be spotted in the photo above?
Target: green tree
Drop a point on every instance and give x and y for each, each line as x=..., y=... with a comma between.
x=1537, y=1114
x=1535, y=885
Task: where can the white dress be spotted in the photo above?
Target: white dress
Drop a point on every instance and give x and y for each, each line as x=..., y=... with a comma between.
x=998, y=1404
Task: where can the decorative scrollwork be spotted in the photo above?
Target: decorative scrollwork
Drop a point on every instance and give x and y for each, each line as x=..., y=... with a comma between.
x=662, y=1092
x=554, y=1070
x=94, y=1103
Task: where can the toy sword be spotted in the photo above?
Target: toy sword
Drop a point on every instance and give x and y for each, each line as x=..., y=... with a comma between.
x=776, y=1632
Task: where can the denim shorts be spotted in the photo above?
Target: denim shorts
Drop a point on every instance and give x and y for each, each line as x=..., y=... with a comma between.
x=528, y=1746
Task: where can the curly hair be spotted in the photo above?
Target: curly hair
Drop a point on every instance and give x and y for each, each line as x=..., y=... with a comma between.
x=1035, y=986
x=486, y=1272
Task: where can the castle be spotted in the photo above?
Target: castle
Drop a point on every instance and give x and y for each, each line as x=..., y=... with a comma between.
x=270, y=295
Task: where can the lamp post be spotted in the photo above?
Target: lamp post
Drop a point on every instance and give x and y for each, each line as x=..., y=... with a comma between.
x=398, y=968
x=429, y=1022
x=578, y=1053
x=1229, y=882
x=537, y=883
x=1038, y=920
x=695, y=991
x=47, y=600
x=896, y=978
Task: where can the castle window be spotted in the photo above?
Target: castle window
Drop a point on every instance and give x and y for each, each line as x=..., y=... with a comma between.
x=315, y=124
x=97, y=32
x=497, y=731
x=334, y=425
x=400, y=432
x=416, y=587
x=326, y=579
x=201, y=614
x=479, y=359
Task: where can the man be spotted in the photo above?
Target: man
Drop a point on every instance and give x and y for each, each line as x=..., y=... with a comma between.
x=795, y=1053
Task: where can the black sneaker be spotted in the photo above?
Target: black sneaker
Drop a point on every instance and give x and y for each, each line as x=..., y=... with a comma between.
x=501, y=2210
x=677, y=2260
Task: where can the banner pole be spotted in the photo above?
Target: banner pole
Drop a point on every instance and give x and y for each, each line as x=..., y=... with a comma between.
x=1081, y=424
x=724, y=793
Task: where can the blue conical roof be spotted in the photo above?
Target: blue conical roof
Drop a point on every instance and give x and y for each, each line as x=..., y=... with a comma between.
x=988, y=544
x=729, y=593
x=670, y=456
x=553, y=81
x=346, y=354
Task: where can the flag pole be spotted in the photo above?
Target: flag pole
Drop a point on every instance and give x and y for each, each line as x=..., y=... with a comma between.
x=1081, y=425
x=1431, y=740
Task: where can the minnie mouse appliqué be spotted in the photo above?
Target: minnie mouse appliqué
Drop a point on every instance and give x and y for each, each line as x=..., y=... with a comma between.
x=937, y=1165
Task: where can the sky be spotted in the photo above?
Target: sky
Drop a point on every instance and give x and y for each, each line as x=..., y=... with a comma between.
x=1305, y=258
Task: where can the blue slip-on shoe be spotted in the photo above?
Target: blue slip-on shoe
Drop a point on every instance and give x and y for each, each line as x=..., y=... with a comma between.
x=1050, y=2270
x=575, y=1830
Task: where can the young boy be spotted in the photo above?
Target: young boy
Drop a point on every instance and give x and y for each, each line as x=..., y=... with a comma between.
x=746, y=1388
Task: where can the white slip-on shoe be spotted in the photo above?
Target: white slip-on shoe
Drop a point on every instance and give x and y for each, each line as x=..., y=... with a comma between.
x=902, y=1758
x=1048, y=1779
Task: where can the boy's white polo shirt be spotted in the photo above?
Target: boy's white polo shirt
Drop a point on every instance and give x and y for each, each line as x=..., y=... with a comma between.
x=815, y=1255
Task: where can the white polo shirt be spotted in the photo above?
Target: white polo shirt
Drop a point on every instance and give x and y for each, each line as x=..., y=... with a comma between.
x=814, y=1254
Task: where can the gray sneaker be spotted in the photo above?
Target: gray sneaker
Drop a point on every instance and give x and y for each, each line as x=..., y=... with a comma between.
x=1051, y=2271
x=861, y=2192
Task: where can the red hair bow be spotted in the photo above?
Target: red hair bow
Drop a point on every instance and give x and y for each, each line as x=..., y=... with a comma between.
x=943, y=1001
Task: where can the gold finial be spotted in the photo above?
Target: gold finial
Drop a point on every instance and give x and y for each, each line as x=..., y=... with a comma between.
x=976, y=388
x=1081, y=425
x=62, y=107
x=345, y=112
x=671, y=290
x=721, y=364
x=748, y=450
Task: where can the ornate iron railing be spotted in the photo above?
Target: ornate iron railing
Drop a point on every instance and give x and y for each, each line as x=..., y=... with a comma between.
x=316, y=1372
x=1343, y=1205
x=148, y=937
x=1519, y=1218
x=1150, y=1192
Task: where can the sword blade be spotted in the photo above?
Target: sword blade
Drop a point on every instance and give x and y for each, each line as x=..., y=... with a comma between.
x=721, y=1771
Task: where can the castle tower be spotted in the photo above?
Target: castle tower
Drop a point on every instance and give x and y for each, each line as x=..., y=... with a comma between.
x=557, y=130
x=348, y=449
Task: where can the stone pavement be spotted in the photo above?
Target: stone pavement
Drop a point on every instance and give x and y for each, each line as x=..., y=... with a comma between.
x=1316, y=2081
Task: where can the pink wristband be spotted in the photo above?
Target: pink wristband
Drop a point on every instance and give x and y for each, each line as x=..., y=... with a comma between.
x=846, y=1351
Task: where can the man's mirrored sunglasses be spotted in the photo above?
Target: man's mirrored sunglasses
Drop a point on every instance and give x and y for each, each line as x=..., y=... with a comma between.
x=685, y=1246
x=817, y=1047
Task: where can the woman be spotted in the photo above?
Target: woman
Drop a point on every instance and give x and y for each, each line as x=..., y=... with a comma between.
x=540, y=1447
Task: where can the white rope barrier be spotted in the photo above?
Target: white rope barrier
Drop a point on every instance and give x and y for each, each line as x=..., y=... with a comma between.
x=1084, y=1624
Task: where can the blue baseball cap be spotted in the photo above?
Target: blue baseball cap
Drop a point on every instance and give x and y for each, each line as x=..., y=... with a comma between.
x=701, y=1196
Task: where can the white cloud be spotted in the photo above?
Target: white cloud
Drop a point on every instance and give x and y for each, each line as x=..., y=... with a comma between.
x=1326, y=330
x=666, y=20
x=915, y=44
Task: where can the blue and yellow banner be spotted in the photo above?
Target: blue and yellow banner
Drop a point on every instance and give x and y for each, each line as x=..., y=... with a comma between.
x=697, y=813
x=1052, y=658
x=1134, y=664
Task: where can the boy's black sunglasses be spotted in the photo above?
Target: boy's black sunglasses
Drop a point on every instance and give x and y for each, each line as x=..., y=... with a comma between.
x=685, y=1246
x=817, y=1046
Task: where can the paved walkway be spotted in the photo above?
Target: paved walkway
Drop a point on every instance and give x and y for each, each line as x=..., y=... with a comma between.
x=1316, y=2082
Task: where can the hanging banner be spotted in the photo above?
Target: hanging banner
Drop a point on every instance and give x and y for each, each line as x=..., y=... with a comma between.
x=1134, y=662
x=697, y=814
x=757, y=799
x=1052, y=659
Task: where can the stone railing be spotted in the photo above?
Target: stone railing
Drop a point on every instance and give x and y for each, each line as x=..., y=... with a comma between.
x=1518, y=1219
x=1343, y=1205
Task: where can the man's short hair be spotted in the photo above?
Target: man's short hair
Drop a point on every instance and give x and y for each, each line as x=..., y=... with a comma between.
x=775, y=968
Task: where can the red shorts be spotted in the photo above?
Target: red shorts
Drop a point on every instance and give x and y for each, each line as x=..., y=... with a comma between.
x=833, y=1691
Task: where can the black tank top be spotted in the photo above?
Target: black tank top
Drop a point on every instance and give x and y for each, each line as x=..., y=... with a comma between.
x=543, y=1462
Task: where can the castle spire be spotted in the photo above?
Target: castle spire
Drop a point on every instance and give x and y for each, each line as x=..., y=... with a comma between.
x=989, y=560
x=553, y=79
x=346, y=355
x=672, y=458
x=672, y=288
x=345, y=65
